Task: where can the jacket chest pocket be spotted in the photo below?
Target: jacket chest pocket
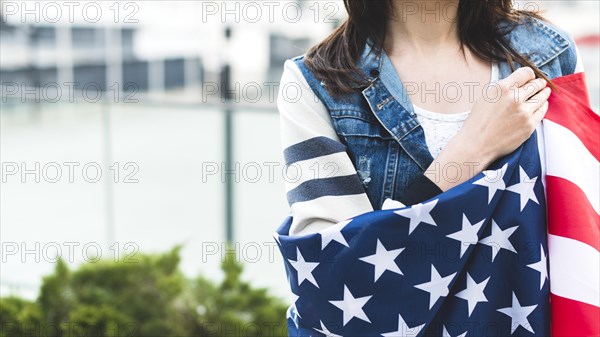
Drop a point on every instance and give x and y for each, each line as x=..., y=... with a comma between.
x=370, y=149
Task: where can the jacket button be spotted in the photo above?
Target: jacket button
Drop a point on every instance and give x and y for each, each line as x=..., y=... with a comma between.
x=374, y=72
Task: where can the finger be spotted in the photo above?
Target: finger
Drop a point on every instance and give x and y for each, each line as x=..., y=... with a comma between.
x=520, y=77
x=540, y=112
x=537, y=100
x=531, y=88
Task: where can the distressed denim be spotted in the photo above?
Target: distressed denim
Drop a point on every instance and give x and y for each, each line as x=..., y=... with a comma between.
x=383, y=137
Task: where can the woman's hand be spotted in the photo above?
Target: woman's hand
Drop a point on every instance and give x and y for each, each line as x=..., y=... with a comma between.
x=499, y=122
x=497, y=126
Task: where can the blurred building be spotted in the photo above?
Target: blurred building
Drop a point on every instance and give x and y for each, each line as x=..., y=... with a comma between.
x=142, y=57
x=179, y=45
x=92, y=57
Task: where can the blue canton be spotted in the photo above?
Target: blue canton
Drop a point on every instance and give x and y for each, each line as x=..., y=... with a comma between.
x=470, y=262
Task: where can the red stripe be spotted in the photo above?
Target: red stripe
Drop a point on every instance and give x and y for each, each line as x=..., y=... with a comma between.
x=570, y=213
x=592, y=40
x=574, y=85
x=568, y=108
x=573, y=318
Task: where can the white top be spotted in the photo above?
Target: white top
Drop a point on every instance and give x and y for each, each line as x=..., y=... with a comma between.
x=440, y=127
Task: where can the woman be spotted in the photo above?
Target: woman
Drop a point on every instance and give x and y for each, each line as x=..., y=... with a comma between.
x=407, y=99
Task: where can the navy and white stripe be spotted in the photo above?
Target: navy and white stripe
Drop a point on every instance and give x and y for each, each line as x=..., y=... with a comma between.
x=312, y=148
x=322, y=185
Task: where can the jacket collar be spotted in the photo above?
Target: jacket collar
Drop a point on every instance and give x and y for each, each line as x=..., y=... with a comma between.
x=535, y=39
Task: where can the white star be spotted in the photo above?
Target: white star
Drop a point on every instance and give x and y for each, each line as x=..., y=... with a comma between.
x=334, y=233
x=351, y=306
x=437, y=287
x=499, y=239
x=403, y=329
x=473, y=293
x=292, y=308
x=541, y=267
x=389, y=203
x=383, y=260
x=326, y=332
x=294, y=299
x=493, y=180
x=294, y=318
x=524, y=188
x=304, y=269
x=518, y=314
x=445, y=333
x=467, y=235
x=418, y=213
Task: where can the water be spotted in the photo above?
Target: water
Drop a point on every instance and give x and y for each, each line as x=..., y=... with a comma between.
x=172, y=202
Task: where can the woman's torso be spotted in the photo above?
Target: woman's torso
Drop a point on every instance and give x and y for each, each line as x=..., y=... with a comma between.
x=384, y=137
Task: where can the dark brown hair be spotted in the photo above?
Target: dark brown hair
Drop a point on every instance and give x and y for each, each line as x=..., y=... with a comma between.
x=334, y=59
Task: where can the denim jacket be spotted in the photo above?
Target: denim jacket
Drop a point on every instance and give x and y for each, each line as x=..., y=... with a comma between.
x=383, y=137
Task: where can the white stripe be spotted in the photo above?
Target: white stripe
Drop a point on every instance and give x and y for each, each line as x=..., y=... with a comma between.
x=579, y=62
x=302, y=116
x=542, y=152
x=574, y=270
x=567, y=158
x=332, y=165
x=326, y=211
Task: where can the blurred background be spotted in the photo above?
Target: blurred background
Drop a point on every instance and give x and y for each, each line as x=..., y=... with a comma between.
x=141, y=136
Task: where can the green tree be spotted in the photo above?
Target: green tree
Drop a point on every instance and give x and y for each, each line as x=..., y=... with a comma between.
x=235, y=308
x=56, y=298
x=17, y=315
x=148, y=296
x=144, y=290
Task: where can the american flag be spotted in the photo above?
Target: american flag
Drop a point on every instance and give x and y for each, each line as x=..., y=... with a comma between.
x=572, y=139
x=481, y=259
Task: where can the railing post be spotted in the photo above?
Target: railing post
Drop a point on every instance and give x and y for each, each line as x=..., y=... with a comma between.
x=226, y=95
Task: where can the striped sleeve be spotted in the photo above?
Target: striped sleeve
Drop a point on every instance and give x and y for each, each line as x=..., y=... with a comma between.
x=321, y=182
